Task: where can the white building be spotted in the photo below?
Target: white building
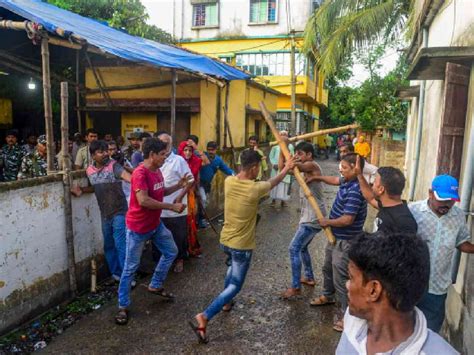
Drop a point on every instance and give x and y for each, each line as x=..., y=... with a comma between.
x=440, y=130
x=193, y=19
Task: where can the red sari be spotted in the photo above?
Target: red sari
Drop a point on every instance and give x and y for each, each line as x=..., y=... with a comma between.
x=195, y=163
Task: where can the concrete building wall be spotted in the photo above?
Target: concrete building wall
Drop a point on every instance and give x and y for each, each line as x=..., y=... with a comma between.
x=452, y=26
x=33, y=252
x=175, y=17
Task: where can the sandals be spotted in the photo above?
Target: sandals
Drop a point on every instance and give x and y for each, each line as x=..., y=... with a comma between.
x=200, y=333
x=162, y=293
x=121, y=318
x=321, y=301
x=308, y=282
x=290, y=293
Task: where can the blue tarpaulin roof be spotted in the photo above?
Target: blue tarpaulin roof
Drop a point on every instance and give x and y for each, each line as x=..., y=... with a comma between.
x=118, y=43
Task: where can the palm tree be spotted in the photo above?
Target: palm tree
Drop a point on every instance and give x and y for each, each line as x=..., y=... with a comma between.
x=338, y=28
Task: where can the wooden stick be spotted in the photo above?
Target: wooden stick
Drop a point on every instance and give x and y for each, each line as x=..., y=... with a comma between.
x=71, y=259
x=173, y=106
x=48, y=111
x=297, y=173
x=320, y=133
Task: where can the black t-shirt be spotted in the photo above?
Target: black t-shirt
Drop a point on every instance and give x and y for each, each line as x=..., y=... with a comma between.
x=396, y=219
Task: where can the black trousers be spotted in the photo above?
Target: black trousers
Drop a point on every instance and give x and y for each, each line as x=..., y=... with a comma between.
x=178, y=226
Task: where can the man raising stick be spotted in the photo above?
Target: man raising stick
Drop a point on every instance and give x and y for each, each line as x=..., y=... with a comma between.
x=143, y=223
x=386, y=196
x=242, y=195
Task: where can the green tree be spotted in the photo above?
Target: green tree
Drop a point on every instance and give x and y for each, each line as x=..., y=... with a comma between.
x=373, y=103
x=128, y=15
x=341, y=27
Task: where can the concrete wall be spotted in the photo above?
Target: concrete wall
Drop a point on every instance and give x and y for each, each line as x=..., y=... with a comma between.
x=33, y=252
x=175, y=17
x=387, y=152
x=452, y=26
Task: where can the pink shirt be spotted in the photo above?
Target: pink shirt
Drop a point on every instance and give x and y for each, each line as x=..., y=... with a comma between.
x=140, y=219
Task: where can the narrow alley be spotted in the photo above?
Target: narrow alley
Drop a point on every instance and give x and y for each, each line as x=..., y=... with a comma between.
x=259, y=323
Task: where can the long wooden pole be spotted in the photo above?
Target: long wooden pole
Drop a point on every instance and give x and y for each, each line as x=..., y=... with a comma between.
x=78, y=94
x=71, y=260
x=48, y=112
x=320, y=133
x=173, y=105
x=294, y=124
x=297, y=173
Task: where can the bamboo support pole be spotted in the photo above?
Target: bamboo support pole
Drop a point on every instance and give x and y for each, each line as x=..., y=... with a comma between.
x=48, y=111
x=320, y=133
x=71, y=260
x=173, y=106
x=297, y=173
x=78, y=93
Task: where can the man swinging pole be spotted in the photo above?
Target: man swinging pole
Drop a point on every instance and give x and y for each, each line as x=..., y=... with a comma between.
x=297, y=173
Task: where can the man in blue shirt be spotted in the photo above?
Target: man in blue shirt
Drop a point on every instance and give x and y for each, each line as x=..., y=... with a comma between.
x=207, y=175
x=346, y=219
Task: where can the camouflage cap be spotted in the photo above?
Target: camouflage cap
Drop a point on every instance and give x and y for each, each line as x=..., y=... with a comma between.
x=42, y=139
x=134, y=135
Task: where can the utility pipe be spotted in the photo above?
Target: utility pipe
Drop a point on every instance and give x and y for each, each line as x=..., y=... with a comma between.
x=419, y=128
x=466, y=191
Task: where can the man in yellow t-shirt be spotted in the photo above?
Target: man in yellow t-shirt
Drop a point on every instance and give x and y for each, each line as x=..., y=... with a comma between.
x=242, y=195
x=362, y=147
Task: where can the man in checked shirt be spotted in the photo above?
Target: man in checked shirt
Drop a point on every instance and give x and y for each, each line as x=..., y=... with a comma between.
x=443, y=226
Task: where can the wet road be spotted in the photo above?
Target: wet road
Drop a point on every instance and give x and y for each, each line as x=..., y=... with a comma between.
x=259, y=323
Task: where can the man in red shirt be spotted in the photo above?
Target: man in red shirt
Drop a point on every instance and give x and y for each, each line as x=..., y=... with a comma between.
x=143, y=223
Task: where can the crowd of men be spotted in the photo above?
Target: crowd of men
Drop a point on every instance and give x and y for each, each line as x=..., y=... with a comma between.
x=389, y=286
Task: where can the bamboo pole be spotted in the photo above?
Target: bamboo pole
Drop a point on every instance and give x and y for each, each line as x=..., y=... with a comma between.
x=71, y=260
x=218, y=115
x=173, y=105
x=48, y=112
x=78, y=94
x=297, y=173
x=320, y=133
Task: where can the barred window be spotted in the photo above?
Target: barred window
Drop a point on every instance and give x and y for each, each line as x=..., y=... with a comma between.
x=263, y=11
x=205, y=15
x=270, y=64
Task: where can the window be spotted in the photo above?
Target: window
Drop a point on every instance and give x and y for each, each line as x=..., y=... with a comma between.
x=263, y=11
x=271, y=64
x=226, y=59
x=205, y=15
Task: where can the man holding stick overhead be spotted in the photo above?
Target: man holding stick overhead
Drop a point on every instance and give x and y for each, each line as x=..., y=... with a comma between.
x=242, y=195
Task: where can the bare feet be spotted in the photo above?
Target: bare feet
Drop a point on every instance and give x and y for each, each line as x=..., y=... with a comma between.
x=179, y=267
x=308, y=282
x=290, y=293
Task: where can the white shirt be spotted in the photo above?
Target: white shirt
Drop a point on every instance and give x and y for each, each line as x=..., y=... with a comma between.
x=174, y=168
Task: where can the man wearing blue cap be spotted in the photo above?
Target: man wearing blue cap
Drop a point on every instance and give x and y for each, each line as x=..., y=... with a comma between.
x=443, y=226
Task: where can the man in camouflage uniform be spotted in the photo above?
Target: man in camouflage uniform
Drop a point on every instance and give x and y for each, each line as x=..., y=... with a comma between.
x=35, y=164
x=134, y=146
x=11, y=155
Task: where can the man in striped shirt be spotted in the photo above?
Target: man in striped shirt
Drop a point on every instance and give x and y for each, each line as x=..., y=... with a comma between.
x=346, y=220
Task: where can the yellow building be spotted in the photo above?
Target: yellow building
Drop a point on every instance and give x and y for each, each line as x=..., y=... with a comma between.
x=200, y=105
x=268, y=58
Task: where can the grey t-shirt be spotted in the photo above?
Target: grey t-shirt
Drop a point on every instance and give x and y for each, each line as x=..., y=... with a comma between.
x=307, y=213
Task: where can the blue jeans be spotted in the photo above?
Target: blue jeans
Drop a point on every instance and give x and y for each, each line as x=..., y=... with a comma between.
x=163, y=240
x=433, y=307
x=238, y=263
x=299, y=253
x=113, y=230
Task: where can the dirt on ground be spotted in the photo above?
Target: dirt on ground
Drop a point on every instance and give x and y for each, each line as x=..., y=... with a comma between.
x=259, y=323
